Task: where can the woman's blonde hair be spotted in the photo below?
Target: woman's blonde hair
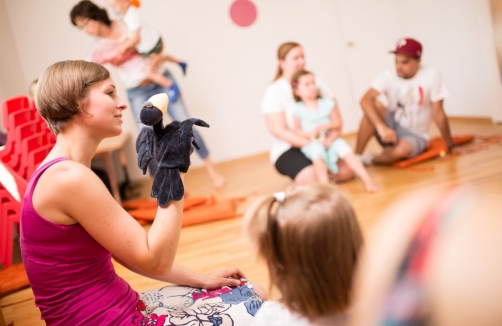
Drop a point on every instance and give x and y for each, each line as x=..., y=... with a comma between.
x=310, y=242
x=62, y=88
x=282, y=52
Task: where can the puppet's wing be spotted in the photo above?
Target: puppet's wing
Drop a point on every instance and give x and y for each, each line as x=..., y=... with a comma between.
x=144, y=148
x=187, y=141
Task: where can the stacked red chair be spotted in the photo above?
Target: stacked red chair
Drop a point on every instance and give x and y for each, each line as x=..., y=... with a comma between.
x=29, y=140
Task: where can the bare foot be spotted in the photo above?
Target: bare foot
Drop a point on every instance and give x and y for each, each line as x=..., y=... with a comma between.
x=370, y=187
x=218, y=180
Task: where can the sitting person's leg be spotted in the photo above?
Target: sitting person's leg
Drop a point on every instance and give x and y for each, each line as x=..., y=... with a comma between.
x=294, y=164
x=408, y=145
x=345, y=173
x=394, y=153
x=180, y=305
x=315, y=151
x=367, y=129
x=341, y=149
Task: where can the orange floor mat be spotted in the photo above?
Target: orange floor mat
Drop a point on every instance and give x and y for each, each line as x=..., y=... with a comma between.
x=13, y=278
x=195, y=209
x=437, y=147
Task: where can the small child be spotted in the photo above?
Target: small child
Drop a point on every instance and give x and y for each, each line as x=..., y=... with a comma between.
x=319, y=119
x=310, y=240
x=147, y=41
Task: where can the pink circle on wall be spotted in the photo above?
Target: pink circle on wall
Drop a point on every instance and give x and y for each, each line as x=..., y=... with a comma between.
x=243, y=12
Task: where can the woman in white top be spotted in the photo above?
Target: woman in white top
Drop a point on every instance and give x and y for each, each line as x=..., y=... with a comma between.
x=276, y=106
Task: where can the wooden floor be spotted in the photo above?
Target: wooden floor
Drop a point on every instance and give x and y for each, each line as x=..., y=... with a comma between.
x=220, y=244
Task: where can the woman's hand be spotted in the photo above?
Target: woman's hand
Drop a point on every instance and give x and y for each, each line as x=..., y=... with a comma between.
x=322, y=128
x=330, y=138
x=224, y=277
x=313, y=133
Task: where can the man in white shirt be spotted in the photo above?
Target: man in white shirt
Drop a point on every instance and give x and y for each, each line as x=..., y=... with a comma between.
x=414, y=95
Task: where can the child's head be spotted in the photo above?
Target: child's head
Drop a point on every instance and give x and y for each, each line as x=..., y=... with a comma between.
x=310, y=241
x=304, y=87
x=119, y=6
x=62, y=88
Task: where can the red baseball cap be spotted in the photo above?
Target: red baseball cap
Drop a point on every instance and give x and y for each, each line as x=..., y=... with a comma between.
x=409, y=47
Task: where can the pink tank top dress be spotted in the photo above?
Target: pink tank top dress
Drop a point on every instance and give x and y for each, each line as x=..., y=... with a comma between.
x=71, y=274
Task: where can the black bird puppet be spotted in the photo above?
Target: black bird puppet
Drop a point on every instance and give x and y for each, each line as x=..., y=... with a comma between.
x=171, y=146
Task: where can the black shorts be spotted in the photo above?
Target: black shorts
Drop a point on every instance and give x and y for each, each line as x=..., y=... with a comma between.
x=291, y=162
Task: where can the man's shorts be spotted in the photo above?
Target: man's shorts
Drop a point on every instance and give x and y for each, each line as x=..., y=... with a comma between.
x=418, y=144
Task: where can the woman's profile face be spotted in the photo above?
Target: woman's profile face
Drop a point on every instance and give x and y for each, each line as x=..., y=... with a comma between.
x=103, y=108
x=294, y=61
x=88, y=25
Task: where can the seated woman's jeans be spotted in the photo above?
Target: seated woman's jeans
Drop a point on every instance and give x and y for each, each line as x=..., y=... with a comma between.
x=176, y=110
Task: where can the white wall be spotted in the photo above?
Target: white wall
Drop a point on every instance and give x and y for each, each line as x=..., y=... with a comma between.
x=230, y=66
x=457, y=37
x=12, y=82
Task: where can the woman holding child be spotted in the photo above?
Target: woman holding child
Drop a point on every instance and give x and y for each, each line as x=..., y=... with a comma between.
x=133, y=70
x=276, y=106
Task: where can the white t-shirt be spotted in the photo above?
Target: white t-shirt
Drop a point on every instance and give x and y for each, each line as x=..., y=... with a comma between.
x=279, y=98
x=411, y=99
x=149, y=36
x=273, y=313
x=131, y=67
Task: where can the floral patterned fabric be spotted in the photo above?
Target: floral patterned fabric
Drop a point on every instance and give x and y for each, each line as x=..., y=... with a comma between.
x=179, y=305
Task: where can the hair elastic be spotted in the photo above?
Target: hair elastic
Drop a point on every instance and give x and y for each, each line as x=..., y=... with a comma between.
x=280, y=197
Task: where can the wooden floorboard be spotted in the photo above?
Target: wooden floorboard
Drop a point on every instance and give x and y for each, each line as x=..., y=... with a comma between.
x=220, y=244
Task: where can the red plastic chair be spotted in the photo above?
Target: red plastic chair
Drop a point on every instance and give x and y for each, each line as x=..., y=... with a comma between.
x=22, y=132
x=30, y=144
x=10, y=217
x=4, y=198
x=20, y=117
x=11, y=105
x=7, y=218
x=36, y=157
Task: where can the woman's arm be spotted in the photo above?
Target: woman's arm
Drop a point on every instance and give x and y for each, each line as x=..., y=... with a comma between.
x=298, y=129
x=77, y=194
x=131, y=42
x=181, y=275
x=276, y=123
x=335, y=127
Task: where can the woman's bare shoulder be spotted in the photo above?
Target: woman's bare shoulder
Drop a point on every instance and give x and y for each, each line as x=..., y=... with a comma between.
x=67, y=174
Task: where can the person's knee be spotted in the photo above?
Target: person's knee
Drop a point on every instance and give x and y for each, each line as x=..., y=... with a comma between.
x=402, y=150
x=258, y=289
x=344, y=172
x=306, y=175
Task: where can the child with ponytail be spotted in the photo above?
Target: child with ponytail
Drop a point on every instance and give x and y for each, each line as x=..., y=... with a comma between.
x=310, y=240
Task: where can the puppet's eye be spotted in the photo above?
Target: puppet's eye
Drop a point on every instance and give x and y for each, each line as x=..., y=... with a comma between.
x=149, y=104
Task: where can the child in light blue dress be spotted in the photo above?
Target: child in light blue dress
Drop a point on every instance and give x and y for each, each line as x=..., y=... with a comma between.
x=319, y=120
